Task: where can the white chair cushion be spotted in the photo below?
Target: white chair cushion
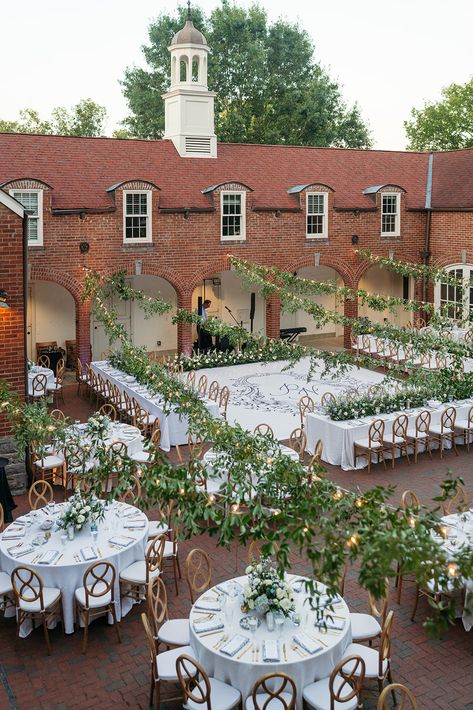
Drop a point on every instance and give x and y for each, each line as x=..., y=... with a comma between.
x=366, y=442
x=463, y=424
x=434, y=589
x=175, y=632
x=222, y=696
x=140, y=456
x=5, y=583
x=317, y=695
x=364, y=626
x=166, y=662
x=437, y=429
x=94, y=602
x=169, y=549
x=42, y=393
x=49, y=462
x=50, y=595
x=156, y=528
x=53, y=387
x=389, y=438
x=274, y=704
x=370, y=657
x=136, y=573
x=420, y=434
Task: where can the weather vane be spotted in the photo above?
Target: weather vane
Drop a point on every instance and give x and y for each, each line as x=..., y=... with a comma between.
x=189, y=16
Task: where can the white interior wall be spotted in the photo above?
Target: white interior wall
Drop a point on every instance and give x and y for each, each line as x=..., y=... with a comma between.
x=386, y=283
x=159, y=328
x=303, y=319
x=53, y=314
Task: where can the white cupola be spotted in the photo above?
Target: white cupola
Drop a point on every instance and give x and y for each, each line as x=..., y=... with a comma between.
x=189, y=105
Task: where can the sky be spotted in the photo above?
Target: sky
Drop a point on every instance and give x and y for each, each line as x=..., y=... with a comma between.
x=388, y=56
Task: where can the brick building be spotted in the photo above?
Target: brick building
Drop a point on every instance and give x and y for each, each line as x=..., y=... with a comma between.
x=170, y=211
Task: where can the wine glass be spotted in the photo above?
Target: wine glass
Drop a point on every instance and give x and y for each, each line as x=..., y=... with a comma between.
x=252, y=624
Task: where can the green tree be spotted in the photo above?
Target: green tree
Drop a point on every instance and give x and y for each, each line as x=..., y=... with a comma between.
x=446, y=124
x=269, y=87
x=86, y=118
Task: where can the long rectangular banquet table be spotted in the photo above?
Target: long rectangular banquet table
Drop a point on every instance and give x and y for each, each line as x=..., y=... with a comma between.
x=174, y=427
x=338, y=437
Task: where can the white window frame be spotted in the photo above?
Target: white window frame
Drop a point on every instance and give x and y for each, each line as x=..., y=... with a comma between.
x=397, y=222
x=39, y=241
x=463, y=306
x=242, y=236
x=149, y=216
x=324, y=233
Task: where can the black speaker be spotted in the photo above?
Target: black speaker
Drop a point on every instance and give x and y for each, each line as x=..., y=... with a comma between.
x=252, y=306
x=199, y=306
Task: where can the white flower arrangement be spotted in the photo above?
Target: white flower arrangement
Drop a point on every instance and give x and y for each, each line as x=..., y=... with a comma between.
x=82, y=508
x=266, y=591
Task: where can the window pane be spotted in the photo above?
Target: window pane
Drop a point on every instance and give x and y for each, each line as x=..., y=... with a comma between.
x=32, y=229
x=231, y=215
x=29, y=200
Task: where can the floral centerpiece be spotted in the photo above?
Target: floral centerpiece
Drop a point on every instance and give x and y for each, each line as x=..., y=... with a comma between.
x=266, y=591
x=83, y=508
x=97, y=427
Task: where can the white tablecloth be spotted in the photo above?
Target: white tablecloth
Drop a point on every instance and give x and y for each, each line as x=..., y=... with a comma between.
x=118, y=432
x=459, y=528
x=67, y=574
x=38, y=370
x=244, y=672
x=174, y=428
x=338, y=437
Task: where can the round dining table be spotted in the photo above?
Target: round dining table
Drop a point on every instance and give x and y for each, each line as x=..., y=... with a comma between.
x=61, y=563
x=307, y=653
x=118, y=432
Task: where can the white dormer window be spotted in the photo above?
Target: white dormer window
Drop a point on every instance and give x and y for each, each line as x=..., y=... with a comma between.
x=390, y=215
x=316, y=210
x=137, y=216
x=32, y=201
x=232, y=208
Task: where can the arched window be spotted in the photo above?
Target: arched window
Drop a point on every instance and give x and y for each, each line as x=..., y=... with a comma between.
x=195, y=69
x=183, y=69
x=173, y=70
x=456, y=302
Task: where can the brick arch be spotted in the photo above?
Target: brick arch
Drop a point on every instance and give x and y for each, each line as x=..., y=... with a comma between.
x=71, y=284
x=206, y=270
x=149, y=269
x=342, y=269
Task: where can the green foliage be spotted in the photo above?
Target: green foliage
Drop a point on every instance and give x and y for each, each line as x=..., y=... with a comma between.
x=269, y=87
x=415, y=271
x=86, y=118
x=446, y=124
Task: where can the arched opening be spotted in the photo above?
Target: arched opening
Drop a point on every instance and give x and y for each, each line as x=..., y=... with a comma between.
x=51, y=315
x=195, y=69
x=183, y=69
x=226, y=293
x=157, y=333
x=328, y=335
x=173, y=70
x=386, y=283
x=456, y=302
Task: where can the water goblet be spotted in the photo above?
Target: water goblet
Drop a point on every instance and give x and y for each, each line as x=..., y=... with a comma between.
x=252, y=624
x=296, y=619
x=279, y=621
x=63, y=539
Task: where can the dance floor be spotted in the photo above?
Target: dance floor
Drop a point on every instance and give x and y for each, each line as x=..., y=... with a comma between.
x=265, y=392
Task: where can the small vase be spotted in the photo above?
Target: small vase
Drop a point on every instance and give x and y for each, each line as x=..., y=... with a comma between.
x=270, y=621
x=70, y=532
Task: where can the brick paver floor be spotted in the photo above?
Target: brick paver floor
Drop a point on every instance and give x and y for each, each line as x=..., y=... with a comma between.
x=113, y=676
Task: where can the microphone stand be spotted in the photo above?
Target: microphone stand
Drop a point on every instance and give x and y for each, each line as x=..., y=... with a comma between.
x=240, y=324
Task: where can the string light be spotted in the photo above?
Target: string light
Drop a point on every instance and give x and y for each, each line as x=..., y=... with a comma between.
x=353, y=540
x=359, y=502
x=338, y=494
x=452, y=569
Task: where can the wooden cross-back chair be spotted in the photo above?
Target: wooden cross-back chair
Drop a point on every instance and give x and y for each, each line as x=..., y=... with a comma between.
x=39, y=385
x=298, y=442
x=108, y=410
x=202, y=385
x=421, y=433
x=81, y=376
x=76, y=464
x=31, y=603
x=457, y=503
x=373, y=444
x=198, y=570
x=465, y=427
x=96, y=597
x=263, y=430
x=134, y=579
x=327, y=398
x=317, y=455
x=445, y=431
x=40, y=494
x=44, y=361
x=223, y=401
x=165, y=688
x=58, y=414
x=214, y=391
x=397, y=438
x=190, y=378
x=117, y=450
x=200, y=691
x=133, y=491
x=344, y=686
x=405, y=701
x=306, y=406
x=274, y=689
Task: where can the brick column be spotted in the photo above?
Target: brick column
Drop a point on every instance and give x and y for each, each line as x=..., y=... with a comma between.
x=350, y=310
x=184, y=330
x=273, y=317
x=83, y=330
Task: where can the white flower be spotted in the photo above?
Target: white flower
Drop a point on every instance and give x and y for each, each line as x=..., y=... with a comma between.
x=80, y=519
x=279, y=593
x=285, y=604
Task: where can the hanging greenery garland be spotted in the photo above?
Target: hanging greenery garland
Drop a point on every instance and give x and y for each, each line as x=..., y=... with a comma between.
x=432, y=274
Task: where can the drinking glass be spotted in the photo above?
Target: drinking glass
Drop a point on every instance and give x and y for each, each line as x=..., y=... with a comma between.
x=296, y=619
x=279, y=621
x=252, y=624
x=64, y=539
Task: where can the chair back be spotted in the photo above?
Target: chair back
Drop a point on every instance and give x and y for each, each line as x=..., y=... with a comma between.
x=271, y=687
x=346, y=680
x=133, y=491
x=129, y=409
x=99, y=580
x=440, y=361
x=470, y=418
x=118, y=449
x=365, y=342
x=194, y=682
x=405, y=701
x=458, y=502
x=141, y=418
x=400, y=425
x=154, y=555
x=306, y=406
x=196, y=446
x=254, y=550
x=385, y=643
x=198, y=572
x=88, y=374
x=410, y=500
x=214, y=390
x=40, y=494
x=447, y=420
x=327, y=398
x=224, y=397
x=425, y=360
x=354, y=341
x=190, y=379
x=39, y=385
x=468, y=337
x=27, y=586
x=423, y=420
x=298, y=441
x=263, y=430
x=79, y=369
x=380, y=346
x=376, y=432
x=157, y=603
x=317, y=456
x=75, y=459
x=202, y=385
x=58, y=415
x=2, y=518
x=44, y=361
x=155, y=439
x=108, y=410
x=151, y=643
x=420, y=323
x=380, y=611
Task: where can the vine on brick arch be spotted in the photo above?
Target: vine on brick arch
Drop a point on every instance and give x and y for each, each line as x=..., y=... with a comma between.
x=268, y=496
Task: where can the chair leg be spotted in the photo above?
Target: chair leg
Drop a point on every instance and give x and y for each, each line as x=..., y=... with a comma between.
x=178, y=565
x=399, y=588
x=414, y=611
x=415, y=450
x=46, y=633
x=369, y=460
x=454, y=444
x=175, y=575
x=86, y=631
x=115, y=622
x=392, y=456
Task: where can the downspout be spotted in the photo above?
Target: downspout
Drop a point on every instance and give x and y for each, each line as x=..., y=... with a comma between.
x=25, y=299
x=428, y=208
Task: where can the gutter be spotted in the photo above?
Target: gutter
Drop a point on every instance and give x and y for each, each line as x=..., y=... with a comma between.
x=428, y=207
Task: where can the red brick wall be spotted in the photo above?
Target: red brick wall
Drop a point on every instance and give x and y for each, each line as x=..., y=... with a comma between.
x=12, y=362
x=450, y=233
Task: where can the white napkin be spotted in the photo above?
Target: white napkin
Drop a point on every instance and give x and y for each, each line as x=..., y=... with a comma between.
x=120, y=541
x=271, y=650
x=135, y=525
x=307, y=643
x=324, y=600
x=48, y=556
x=329, y=622
x=13, y=533
x=21, y=551
x=208, y=605
x=201, y=627
x=226, y=587
x=88, y=553
x=235, y=644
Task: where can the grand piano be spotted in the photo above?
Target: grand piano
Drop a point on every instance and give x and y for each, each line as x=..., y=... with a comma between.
x=290, y=334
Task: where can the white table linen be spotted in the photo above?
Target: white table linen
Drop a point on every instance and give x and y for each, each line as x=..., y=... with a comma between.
x=174, y=428
x=459, y=528
x=66, y=573
x=242, y=673
x=118, y=432
x=38, y=370
x=338, y=437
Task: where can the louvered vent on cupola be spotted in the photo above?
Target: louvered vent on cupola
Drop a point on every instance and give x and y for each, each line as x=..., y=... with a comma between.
x=198, y=145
